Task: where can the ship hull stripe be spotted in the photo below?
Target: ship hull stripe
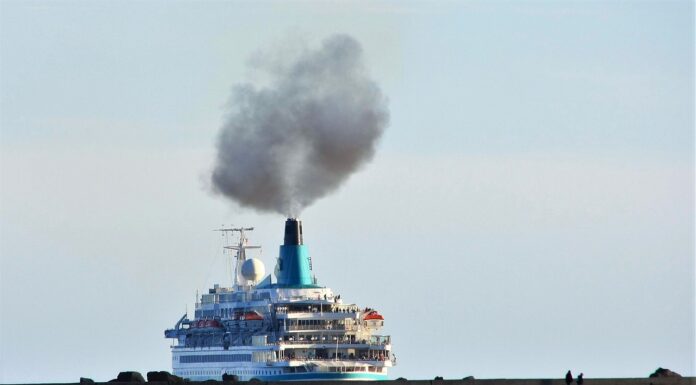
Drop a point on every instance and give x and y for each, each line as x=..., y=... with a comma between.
x=310, y=377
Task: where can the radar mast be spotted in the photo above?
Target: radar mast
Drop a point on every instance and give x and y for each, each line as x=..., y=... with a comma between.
x=238, y=280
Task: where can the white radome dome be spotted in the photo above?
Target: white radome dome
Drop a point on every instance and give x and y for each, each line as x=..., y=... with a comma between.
x=253, y=269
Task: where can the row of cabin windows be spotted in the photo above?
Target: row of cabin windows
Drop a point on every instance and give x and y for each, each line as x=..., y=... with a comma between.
x=255, y=372
x=312, y=324
x=355, y=369
x=200, y=372
x=215, y=358
x=306, y=322
x=219, y=372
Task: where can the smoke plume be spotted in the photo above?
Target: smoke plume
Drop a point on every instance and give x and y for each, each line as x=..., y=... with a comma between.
x=289, y=143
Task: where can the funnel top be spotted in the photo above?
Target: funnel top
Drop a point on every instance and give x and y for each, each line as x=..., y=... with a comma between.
x=293, y=232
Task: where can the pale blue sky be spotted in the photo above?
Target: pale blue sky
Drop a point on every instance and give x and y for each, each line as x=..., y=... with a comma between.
x=530, y=209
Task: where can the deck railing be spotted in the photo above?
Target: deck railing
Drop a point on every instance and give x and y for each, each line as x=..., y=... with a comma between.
x=318, y=327
x=373, y=340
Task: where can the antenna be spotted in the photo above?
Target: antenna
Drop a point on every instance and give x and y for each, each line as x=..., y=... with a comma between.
x=241, y=247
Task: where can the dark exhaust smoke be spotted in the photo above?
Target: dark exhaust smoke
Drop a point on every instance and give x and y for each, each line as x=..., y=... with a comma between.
x=296, y=140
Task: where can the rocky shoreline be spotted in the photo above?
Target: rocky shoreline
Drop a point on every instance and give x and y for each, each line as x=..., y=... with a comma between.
x=659, y=377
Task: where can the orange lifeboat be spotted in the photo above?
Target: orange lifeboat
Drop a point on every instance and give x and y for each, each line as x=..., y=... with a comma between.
x=373, y=315
x=252, y=316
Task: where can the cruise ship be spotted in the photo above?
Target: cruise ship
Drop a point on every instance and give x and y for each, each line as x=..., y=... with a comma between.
x=279, y=327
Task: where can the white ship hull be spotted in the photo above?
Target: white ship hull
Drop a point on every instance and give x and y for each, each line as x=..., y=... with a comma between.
x=211, y=364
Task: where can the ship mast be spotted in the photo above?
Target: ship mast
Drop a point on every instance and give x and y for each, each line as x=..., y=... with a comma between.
x=238, y=281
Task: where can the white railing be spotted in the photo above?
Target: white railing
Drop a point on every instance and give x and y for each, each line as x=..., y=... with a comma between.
x=373, y=340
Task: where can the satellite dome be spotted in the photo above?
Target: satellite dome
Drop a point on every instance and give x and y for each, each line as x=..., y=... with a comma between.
x=253, y=269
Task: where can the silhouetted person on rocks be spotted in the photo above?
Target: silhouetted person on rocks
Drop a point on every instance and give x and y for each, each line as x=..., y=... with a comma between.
x=569, y=378
x=580, y=379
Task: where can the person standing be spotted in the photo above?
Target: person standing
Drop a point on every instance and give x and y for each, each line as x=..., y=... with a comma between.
x=580, y=379
x=569, y=378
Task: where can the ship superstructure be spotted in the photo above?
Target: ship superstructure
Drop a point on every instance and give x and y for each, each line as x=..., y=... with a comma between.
x=287, y=328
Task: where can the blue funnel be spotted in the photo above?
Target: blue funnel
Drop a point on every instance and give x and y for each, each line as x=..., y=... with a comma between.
x=294, y=268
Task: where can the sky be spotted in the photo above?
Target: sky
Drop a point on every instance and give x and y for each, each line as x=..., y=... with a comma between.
x=529, y=210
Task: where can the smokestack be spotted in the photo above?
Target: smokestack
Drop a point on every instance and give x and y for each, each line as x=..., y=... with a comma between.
x=294, y=269
x=293, y=232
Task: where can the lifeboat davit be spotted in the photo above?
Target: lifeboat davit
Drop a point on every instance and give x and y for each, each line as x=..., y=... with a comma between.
x=373, y=315
x=252, y=316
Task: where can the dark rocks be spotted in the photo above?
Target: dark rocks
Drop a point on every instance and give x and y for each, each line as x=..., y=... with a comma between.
x=164, y=376
x=439, y=378
x=401, y=379
x=662, y=372
x=156, y=377
x=129, y=377
x=468, y=378
x=229, y=378
x=85, y=381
